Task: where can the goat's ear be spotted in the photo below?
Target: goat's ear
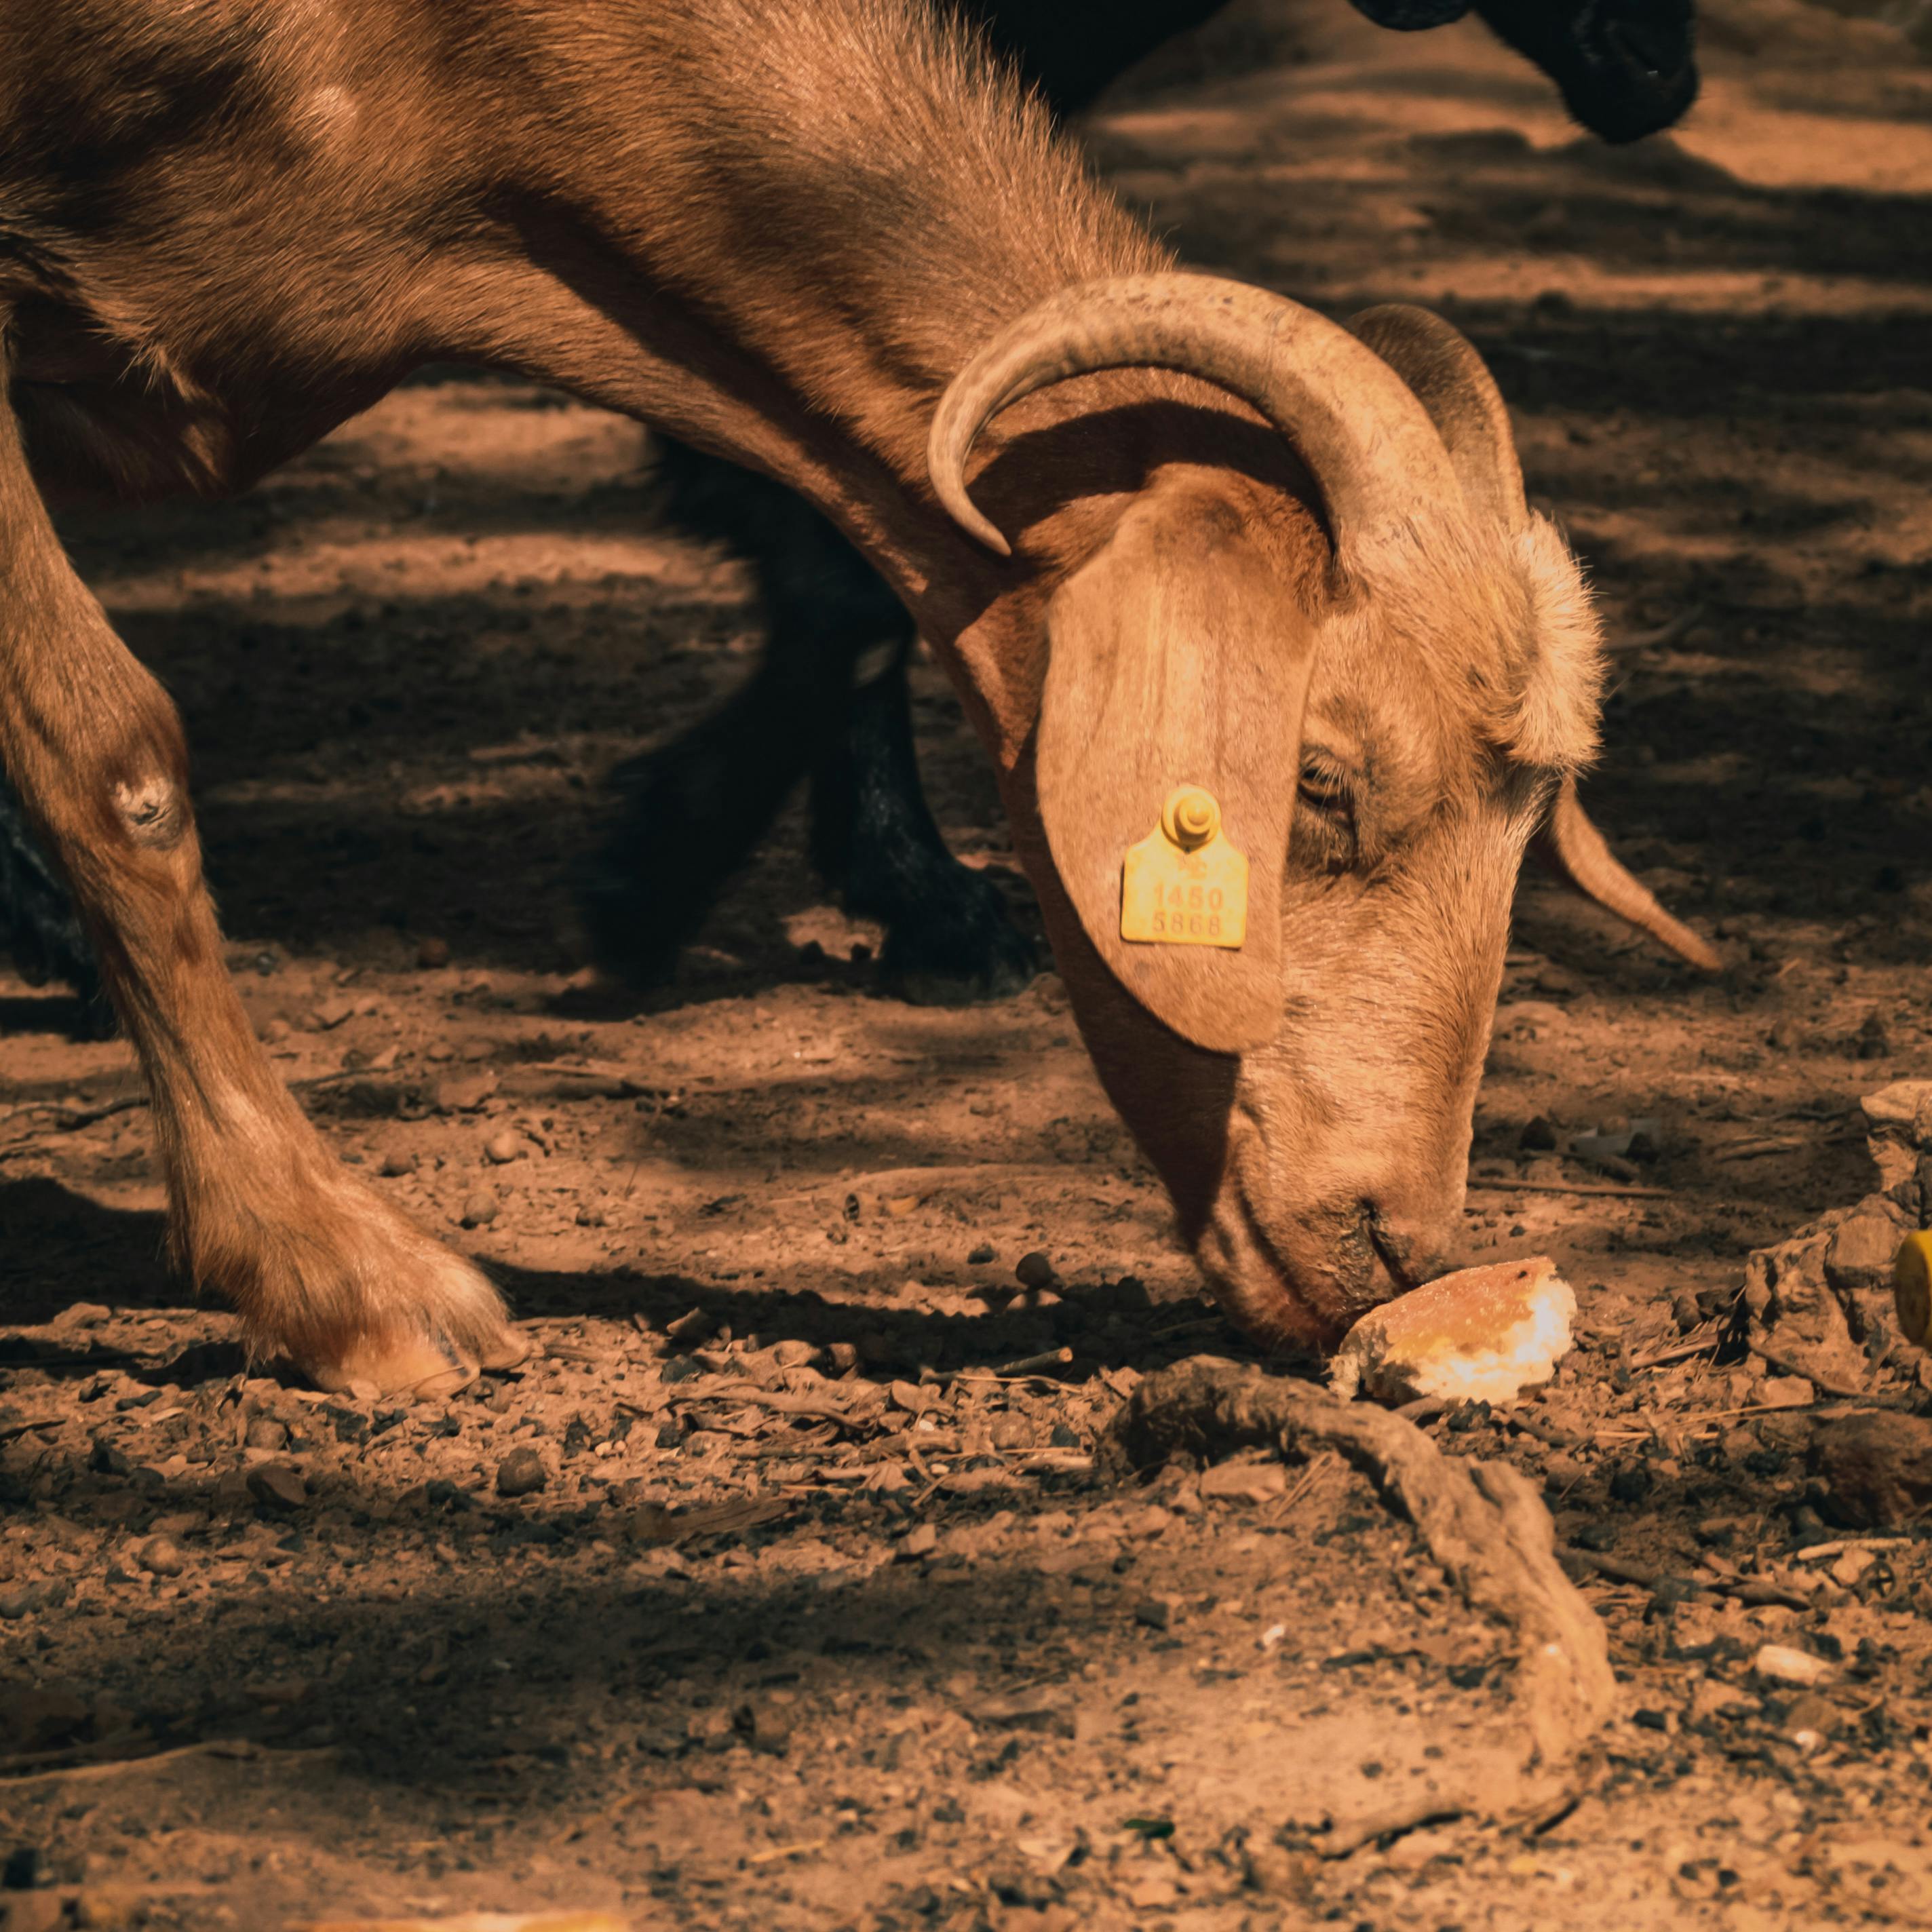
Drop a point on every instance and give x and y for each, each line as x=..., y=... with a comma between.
x=1177, y=660
x=1579, y=855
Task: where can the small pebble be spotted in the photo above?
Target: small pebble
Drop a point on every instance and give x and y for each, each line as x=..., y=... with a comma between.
x=433, y=952
x=35, y=1912
x=160, y=1557
x=1156, y=1613
x=982, y=1256
x=504, y=1147
x=479, y=1209
x=278, y=1486
x=1033, y=1271
x=266, y=1433
x=398, y=1162
x=1781, y=1664
x=920, y=1540
x=521, y=1473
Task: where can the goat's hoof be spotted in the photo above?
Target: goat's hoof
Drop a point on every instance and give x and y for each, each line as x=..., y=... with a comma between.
x=950, y=967
x=423, y=1367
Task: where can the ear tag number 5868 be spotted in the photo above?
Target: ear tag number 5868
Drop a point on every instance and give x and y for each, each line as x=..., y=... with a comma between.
x=1183, y=884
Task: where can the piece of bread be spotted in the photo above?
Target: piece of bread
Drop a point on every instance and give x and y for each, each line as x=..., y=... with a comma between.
x=1484, y=1334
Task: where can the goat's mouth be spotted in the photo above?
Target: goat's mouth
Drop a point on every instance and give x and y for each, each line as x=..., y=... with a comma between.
x=1299, y=1282
x=1397, y=1258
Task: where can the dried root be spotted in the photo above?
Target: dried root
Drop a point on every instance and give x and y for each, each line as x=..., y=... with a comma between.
x=1482, y=1522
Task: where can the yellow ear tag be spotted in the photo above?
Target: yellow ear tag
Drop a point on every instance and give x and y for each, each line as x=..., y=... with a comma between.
x=1912, y=1288
x=1183, y=884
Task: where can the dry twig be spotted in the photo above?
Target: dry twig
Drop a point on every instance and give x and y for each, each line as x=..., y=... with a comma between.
x=1606, y=1188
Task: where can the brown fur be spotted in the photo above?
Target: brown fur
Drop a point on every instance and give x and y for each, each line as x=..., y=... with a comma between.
x=776, y=232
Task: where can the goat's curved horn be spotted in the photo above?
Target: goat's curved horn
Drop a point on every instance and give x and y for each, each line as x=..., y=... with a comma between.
x=1453, y=384
x=1368, y=443
x=1577, y=853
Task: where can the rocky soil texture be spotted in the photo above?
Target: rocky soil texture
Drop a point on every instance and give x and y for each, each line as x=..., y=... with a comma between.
x=801, y=1580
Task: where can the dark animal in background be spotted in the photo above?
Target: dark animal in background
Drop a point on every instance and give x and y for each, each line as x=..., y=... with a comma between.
x=828, y=702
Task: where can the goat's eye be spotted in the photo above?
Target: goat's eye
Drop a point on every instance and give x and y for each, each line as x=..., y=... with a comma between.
x=1323, y=789
x=1326, y=811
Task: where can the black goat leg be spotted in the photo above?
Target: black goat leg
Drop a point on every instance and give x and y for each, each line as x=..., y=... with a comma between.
x=949, y=936
x=690, y=813
x=38, y=926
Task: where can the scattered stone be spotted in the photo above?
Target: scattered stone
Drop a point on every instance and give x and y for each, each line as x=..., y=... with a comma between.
x=463, y=1092
x=844, y=1357
x=397, y=1162
x=1712, y=1697
x=1860, y=1252
x=982, y=1256
x=431, y=953
x=278, y=1486
x=1243, y=1482
x=1875, y=1468
x=1047, y=1711
x=765, y=1724
x=1786, y=1392
x=691, y=1327
x=922, y=1540
x=1034, y=1269
x=33, y=1911
x=160, y=1557
x=1483, y=1334
x=899, y=1205
x=1276, y=1873
x=521, y=1473
x=504, y=1147
x=1148, y=1523
x=1157, y=1612
x=266, y=1433
x=1898, y=1124
x=480, y=1208
x=1778, y=1664
x=1810, y=1720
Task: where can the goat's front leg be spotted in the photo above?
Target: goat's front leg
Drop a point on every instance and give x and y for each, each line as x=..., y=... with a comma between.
x=322, y=1270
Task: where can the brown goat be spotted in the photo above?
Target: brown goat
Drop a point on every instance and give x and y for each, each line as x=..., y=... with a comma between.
x=826, y=238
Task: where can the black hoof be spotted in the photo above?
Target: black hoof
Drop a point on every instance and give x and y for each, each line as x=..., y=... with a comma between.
x=957, y=946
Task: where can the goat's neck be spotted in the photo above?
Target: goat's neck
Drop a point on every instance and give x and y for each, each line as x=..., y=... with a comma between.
x=822, y=213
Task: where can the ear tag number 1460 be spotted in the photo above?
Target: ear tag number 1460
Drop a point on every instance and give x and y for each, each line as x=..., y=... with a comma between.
x=1183, y=884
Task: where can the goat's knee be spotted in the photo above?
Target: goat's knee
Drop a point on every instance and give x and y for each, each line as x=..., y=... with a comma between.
x=151, y=811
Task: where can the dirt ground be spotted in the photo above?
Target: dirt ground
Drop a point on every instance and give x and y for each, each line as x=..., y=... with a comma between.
x=793, y=1586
